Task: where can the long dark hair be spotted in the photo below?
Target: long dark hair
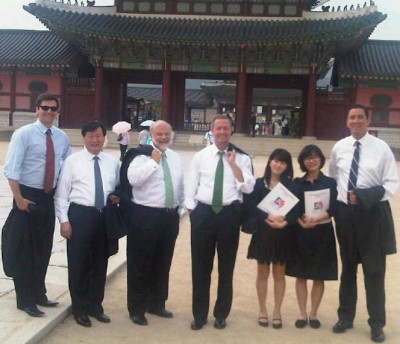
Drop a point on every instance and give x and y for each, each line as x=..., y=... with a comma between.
x=281, y=155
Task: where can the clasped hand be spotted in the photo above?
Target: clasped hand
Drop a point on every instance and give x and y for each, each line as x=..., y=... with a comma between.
x=276, y=221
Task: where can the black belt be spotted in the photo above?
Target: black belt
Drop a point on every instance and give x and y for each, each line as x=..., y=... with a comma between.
x=169, y=210
x=165, y=210
x=87, y=206
x=237, y=202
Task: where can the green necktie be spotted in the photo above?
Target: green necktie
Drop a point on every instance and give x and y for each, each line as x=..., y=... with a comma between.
x=169, y=189
x=218, y=185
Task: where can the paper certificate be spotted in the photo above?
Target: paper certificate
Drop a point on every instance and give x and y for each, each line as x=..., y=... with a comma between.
x=316, y=202
x=279, y=201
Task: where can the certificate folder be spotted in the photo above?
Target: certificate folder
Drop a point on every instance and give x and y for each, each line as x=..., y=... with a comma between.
x=317, y=202
x=279, y=201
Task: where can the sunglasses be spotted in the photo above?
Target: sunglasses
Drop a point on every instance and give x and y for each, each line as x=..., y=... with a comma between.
x=47, y=108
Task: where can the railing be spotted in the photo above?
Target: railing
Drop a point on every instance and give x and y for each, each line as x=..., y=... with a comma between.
x=196, y=126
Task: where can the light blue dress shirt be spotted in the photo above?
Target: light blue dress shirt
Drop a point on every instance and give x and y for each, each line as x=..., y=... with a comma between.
x=26, y=156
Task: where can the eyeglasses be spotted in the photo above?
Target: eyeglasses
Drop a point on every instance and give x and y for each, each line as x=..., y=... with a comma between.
x=312, y=158
x=47, y=108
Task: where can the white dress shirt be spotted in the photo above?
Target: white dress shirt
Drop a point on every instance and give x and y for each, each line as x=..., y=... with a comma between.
x=76, y=183
x=377, y=166
x=200, y=184
x=147, y=180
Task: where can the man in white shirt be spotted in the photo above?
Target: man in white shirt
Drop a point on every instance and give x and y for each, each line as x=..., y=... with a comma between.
x=366, y=174
x=157, y=193
x=79, y=202
x=216, y=229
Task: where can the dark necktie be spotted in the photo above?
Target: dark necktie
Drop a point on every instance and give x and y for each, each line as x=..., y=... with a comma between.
x=218, y=185
x=98, y=184
x=354, y=170
x=49, y=167
x=169, y=189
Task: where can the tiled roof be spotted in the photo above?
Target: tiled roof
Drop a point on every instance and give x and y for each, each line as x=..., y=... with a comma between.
x=153, y=94
x=35, y=49
x=375, y=58
x=186, y=30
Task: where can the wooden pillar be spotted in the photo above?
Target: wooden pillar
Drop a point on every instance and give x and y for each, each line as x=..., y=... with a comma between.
x=311, y=99
x=166, y=96
x=241, y=103
x=178, y=100
x=13, y=95
x=98, y=92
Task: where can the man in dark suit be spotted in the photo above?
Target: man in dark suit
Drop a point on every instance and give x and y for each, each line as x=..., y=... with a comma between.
x=366, y=174
x=215, y=221
x=155, y=179
x=87, y=179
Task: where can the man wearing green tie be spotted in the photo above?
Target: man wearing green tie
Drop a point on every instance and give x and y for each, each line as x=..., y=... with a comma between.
x=218, y=176
x=157, y=192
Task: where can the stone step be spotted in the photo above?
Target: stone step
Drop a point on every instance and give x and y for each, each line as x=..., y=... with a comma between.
x=259, y=145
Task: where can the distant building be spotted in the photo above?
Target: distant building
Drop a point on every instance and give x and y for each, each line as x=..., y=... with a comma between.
x=270, y=55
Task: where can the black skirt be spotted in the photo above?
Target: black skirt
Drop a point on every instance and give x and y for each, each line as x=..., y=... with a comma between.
x=314, y=256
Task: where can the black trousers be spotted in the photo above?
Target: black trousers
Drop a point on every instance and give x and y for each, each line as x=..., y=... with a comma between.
x=150, y=247
x=34, y=233
x=374, y=279
x=210, y=232
x=122, y=149
x=87, y=259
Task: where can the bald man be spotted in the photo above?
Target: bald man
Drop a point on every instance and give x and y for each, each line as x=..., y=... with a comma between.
x=156, y=179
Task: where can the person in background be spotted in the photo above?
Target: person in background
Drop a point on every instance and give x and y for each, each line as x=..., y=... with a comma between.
x=253, y=124
x=209, y=137
x=271, y=243
x=34, y=159
x=144, y=136
x=365, y=170
x=79, y=201
x=123, y=140
x=315, y=245
x=218, y=176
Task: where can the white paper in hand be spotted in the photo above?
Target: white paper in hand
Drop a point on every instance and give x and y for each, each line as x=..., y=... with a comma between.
x=279, y=201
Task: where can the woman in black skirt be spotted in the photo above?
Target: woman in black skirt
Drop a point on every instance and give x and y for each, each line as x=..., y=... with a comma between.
x=271, y=244
x=315, y=250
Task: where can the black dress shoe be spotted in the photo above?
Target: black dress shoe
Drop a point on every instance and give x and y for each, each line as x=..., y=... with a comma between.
x=341, y=326
x=48, y=303
x=163, y=313
x=197, y=324
x=83, y=320
x=139, y=320
x=219, y=324
x=377, y=335
x=101, y=317
x=32, y=311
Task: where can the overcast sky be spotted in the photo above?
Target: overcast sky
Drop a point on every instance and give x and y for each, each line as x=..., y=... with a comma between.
x=13, y=16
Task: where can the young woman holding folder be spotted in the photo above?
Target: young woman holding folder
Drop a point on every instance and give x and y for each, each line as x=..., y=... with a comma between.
x=271, y=244
x=314, y=256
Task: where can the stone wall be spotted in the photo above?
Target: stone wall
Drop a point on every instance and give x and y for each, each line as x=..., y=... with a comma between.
x=19, y=119
x=390, y=135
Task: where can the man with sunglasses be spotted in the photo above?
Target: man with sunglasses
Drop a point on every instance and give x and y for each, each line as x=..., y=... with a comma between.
x=34, y=158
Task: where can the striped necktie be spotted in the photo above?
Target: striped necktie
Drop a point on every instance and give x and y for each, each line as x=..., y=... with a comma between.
x=353, y=170
x=216, y=205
